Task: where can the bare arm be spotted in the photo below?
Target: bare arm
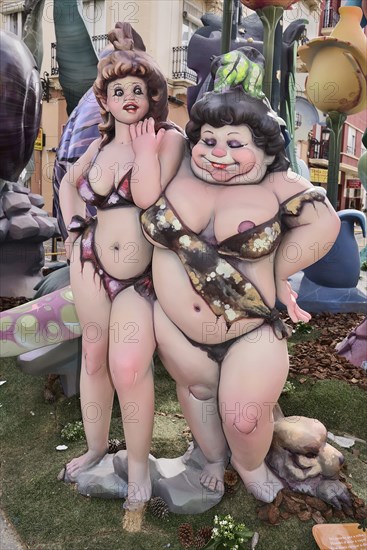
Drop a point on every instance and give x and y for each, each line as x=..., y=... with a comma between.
x=313, y=227
x=157, y=158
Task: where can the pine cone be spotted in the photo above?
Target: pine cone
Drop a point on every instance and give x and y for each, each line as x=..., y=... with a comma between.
x=158, y=507
x=186, y=535
x=115, y=445
x=230, y=481
x=202, y=537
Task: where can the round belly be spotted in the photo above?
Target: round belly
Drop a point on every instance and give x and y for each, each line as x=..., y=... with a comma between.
x=185, y=307
x=122, y=248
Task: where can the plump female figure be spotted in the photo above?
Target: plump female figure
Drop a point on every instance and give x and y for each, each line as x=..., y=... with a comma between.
x=229, y=230
x=110, y=258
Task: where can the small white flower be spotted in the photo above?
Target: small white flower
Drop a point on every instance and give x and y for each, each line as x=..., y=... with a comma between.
x=217, y=303
x=113, y=199
x=231, y=316
x=259, y=244
x=176, y=224
x=185, y=240
x=224, y=269
x=248, y=286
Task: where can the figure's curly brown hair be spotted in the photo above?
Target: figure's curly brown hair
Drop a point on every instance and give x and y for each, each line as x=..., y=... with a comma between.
x=236, y=107
x=126, y=61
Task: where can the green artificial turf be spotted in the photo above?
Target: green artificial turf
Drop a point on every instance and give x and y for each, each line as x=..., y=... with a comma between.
x=50, y=515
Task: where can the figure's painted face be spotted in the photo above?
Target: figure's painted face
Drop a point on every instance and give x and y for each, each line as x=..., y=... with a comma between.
x=228, y=155
x=127, y=99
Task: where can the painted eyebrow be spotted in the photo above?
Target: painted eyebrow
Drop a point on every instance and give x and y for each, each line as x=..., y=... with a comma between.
x=122, y=85
x=231, y=133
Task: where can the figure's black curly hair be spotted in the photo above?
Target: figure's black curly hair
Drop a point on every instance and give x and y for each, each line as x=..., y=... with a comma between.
x=236, y=107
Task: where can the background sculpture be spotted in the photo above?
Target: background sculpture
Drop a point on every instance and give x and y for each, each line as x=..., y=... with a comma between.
x=23, y=224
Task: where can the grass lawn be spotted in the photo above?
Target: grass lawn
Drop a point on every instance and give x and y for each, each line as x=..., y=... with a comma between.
x=50, y=515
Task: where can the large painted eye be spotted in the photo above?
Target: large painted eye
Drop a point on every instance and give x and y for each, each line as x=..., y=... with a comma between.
x=234, y=144
x=210, y=142
x=118, y=92
x=138, y=90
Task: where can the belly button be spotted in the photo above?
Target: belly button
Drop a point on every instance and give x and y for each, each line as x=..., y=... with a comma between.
x=197, y=308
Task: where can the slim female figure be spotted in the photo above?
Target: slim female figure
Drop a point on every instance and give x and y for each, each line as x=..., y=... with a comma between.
x=110, y=258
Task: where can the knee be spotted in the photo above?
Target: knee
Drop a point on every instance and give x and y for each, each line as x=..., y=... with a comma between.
x=244, y=419
x=202, y=392
x=125, y=371
x=95, y=360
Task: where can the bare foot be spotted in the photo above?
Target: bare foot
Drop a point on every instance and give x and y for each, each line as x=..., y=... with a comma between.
x=212, y=477
x=82, y=463
x=139, y=488
x=261, y=482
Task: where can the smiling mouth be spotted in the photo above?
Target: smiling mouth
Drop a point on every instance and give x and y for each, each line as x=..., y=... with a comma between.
x=219, y=165
x=130, y=107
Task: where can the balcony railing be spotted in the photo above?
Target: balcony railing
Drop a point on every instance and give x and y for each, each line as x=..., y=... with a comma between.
x=99, y=42
x=180, y=70
x=330, y=17
x=318, y=149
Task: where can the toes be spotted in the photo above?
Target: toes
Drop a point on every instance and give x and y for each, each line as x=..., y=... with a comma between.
x=212, y=483
x=220, y=487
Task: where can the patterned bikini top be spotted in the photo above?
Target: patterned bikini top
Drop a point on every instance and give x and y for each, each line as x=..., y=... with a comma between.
x=223, y=287
x=118, y=196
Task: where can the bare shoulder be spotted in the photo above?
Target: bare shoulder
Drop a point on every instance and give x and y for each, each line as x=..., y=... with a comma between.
x=92, y=149
x=287, y=184
x=173, y=138
x=170, y=155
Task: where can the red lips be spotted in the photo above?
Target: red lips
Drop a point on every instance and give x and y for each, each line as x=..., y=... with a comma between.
x=131, y=107
x=220, y=166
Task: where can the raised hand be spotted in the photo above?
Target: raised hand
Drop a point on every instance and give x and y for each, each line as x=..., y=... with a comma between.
x=143, y=136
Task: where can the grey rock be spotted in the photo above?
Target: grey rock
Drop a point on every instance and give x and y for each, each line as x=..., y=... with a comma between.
x=2, y=213
x=20, y=267
x=47, y=227
x=4, y=228
x=5, y=186
x=176, y=480
x=23, y=227
x=35, y=211
x=36, y=200
x=101, y=481
x=18, y=188
x=15, y=203
x=184, y=493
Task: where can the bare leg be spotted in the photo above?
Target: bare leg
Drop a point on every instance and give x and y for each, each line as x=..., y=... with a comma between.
x=96, y=389
x=196, y=377
x=132, y=345
x=253, y=375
